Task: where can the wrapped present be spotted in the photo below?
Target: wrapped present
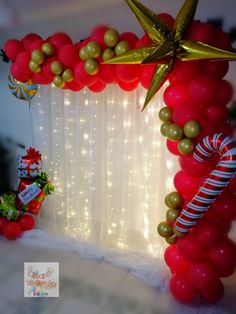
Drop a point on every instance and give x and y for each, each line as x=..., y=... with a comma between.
x=30, y=165
x=8, y=208
x=31, y=193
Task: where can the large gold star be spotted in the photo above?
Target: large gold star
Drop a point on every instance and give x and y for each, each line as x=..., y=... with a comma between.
x=168, y=44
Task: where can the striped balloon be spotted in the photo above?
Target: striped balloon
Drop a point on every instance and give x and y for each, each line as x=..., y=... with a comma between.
x=216, y=181
x=20, y=90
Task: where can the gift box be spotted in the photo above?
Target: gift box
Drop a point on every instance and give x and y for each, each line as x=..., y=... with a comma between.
x=8, y=208
x=31, y=193
x=30, y=165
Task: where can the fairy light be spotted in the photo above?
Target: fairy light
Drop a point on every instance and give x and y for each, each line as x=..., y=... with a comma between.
x=104, y=155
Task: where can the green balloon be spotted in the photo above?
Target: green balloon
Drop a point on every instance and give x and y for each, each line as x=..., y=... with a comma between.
x=174, y=200
x=192, y=129
x=91, y=66
x=172, y=214
x=56, y=67
x=164, y=127
x=164, y=229
x=122, y=47
x=48, y=49
x=58, y=81
x=165, y=114
x=67, y=75
x=38, y=56
x=83, y=54
x=175, y=132
x=186, y=146
x=108, y=54
x=34, y=67
x=171, y=240
x=93, y=49
x=111, y=37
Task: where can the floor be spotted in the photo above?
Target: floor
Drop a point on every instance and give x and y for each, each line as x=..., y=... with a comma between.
x=89, y=287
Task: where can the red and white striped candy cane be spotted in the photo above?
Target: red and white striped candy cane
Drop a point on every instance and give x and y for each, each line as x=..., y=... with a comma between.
x=216, y=181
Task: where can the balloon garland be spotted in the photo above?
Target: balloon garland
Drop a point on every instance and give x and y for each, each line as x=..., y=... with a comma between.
x=16, y=209
x=196, y=109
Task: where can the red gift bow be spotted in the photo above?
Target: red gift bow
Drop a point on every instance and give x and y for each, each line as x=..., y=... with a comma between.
x=33, y=155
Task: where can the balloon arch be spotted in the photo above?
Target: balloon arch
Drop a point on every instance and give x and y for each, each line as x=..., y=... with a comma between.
x=194, y=123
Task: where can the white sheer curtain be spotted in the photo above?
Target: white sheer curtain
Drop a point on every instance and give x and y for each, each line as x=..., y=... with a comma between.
x=110, y=166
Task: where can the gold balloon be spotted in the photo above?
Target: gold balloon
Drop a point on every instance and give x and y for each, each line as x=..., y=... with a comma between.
x=48, y=49
x=108, y=54
x=93, y=49
x=111, y=37
x=83, y=54
x=122, y=47
x=67, y=75
x=171, y=240
x=58, y=81
x=186, y=146
x=34, y=67
x=38, y=56
x=164, y=229
x=167, y=44
x=91, y=66
x=56, y=67
x=172, y=214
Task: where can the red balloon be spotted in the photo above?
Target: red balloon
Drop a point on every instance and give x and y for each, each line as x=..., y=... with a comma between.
x=74, y=86
x=12, y=231
x=175, y=261
x=223, y=254
x=23, y=59
x=232, y=186
x=147, y=72
x=193, y=167
x=68, y=56
x=176, y=95
x=98, y=35
x=107, y=73
x=225, y=92
x=202, y=275
x=189, y=248
x=217, y=69
x=128, y=87
x=183, y=72
x=41, y=78
x=186, y=184
x=145, y=40
x=216, y=113
x=223, y=41
x=203, y=32
x=131, y=38
x=213, y=293
x=36, y=44
x=3, y=223
x=173, y=147
x=203, y=89
x=128, y=72
x=19, y=72
x=12, y=48
x=97, y=87
x=224, y=224
x=82, y=77
x=28, y=39
x=207, y=232
x=225, y=206
x=46, y=68
x=182, y=289
x=26, y=222
x=166, y=18
x=60, y=39
x=183, y=114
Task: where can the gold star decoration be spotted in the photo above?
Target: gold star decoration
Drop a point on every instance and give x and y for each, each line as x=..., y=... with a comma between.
x=168, y=44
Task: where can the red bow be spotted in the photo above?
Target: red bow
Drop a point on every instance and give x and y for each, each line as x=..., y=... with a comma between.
x=33, y=155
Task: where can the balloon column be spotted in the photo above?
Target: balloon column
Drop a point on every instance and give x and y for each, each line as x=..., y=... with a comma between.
x=16, y=209
x=192, y=56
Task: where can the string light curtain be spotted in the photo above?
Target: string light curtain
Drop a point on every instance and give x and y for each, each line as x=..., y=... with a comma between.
x=109, y=164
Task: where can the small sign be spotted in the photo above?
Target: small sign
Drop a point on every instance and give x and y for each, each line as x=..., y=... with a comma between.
x=41, y=280
x=29, y=193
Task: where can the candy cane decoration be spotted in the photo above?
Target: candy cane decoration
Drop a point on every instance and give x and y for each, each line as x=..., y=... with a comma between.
x=216, y=181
